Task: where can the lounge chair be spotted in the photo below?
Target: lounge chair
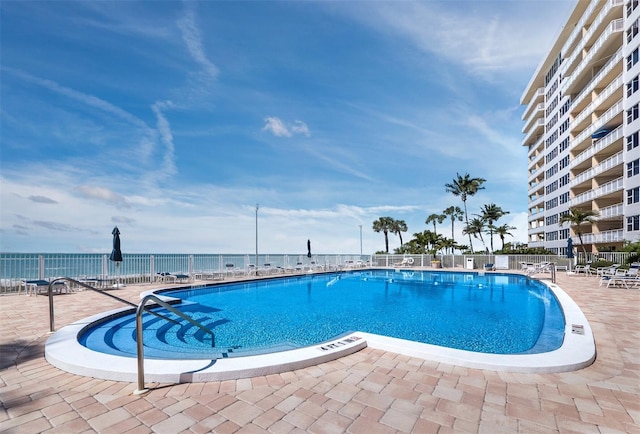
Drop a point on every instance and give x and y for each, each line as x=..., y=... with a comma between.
x=611, y=269
x=231, y=270
x=35, y=286
x=586, y=269
x=489, y=267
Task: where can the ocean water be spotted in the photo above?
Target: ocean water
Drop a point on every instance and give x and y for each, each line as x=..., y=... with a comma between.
x=16, y=266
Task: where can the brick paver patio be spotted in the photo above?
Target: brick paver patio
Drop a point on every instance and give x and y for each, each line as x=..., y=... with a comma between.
x=368, y=392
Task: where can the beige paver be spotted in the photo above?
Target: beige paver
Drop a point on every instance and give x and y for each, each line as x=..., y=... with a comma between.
x=371, y=391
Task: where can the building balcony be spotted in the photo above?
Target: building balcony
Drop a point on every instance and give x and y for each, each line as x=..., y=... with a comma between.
x=614, y=236
x=579, y=100
x=532, y=108
x=600, y=145
x=610, y=187
x=607, y=116
x=609, y=163
x=611, y=212
x=596, y=51
x=584, y=117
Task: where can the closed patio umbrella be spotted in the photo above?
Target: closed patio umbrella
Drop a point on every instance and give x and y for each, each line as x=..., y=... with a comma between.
x=116, y=253
x=308, y=248
x=570, y=248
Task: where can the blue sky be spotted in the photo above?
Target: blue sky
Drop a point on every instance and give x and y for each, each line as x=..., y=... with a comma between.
x=172, y=120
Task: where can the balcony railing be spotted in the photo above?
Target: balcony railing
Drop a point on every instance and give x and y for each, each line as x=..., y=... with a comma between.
x=604, y=237
x=601, y=144
x=607, y=92
x=609, y=187
x=615, y=110
x=613, y=161
x=612, y=211
x=615, y=26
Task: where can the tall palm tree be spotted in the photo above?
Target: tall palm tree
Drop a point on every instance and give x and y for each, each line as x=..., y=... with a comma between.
x=455, y=213
x=397, y=227
x=475, y=227
x=578, y=217
x=490, y=214
x=503, y=231
x=435, y=218
x=465, y=186
x=384, y=225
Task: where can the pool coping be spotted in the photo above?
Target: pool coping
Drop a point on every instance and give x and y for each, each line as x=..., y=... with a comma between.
x=63, y=351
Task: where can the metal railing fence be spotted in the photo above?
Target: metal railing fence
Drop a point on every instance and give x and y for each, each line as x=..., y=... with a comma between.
x=144, y=268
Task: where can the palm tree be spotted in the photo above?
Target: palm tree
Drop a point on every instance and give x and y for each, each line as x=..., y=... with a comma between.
x=503, y=231
x=384, y=224
x=465, y=186
x=456, y=214
x=475, y=227
x=397, y=227
x=433, y=218
x=490, y=214
x=576, y=218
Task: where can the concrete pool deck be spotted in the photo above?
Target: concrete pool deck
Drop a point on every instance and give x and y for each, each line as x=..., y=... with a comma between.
x=369, y=391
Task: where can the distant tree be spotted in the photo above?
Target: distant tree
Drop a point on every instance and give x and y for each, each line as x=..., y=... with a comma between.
x=576, y=218
x=503, y=231
x=435, y=218
x=465, y=186
x=384, y=225
x=398, y=227
x=491, y=213
x=455, y=213
x=476, y=227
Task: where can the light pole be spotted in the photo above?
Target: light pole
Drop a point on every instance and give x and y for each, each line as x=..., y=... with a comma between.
x=360, y=240
x=257, y=207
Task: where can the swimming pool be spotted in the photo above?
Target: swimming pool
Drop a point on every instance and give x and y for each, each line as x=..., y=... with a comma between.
x=492, y=313
x=493, y=320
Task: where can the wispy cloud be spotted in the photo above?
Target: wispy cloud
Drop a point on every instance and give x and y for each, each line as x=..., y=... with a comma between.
x=103, y=195
x=193, y=39
x=42, y=199
x=279, y=129
x=169, y=167
x=84, y=98
x=56, y=226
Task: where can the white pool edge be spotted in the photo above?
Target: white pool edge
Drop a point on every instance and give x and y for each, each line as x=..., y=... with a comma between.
x=63, y=351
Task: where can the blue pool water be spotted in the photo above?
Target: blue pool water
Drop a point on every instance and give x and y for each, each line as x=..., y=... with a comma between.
x=492, y=313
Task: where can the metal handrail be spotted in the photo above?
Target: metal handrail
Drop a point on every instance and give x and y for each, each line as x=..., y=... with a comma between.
x=86, y=286
x=140, y=308
x=139, y=335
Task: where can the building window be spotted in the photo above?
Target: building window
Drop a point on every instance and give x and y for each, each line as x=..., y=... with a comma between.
x=633, y=223
x=633, y=195
x=564, y=198
x=633, y=141
x=631, y=6
x=632, y=86
x=632, y=31
x=632, y=113
x=632, y=59
x=633, y=168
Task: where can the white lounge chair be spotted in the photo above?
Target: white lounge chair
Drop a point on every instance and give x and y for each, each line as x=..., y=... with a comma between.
x=586, y=269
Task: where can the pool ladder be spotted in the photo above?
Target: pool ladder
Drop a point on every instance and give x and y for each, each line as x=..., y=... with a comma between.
x=140, y=308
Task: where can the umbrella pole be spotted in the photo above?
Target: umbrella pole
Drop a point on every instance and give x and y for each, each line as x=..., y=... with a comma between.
x=118, y=278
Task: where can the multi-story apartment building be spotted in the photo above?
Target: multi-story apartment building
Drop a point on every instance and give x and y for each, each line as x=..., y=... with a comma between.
x=581, y=127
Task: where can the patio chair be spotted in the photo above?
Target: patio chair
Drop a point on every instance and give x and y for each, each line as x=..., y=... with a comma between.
x=35, y=286
x=586, y=269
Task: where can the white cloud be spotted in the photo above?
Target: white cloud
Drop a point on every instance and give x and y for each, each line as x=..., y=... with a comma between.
x=279, y=129
x=276, y=126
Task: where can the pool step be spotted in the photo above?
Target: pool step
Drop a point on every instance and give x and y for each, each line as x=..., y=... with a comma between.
x=167, y=340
